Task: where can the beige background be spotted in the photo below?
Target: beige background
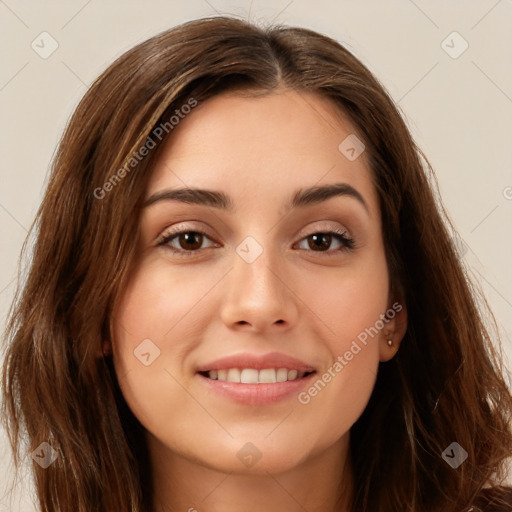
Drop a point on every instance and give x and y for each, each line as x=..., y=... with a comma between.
x=459, y=109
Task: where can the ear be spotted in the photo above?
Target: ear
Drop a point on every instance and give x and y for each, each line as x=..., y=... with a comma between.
x=394, y=329
x=105, y=351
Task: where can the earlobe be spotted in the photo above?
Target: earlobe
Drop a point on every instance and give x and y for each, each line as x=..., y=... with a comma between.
x=106, y=350
x=392, y=335
x=387, y=349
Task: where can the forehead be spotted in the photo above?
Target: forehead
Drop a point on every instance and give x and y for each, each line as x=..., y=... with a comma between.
x=261, y=148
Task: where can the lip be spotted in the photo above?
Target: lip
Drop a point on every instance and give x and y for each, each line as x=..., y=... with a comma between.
x=258, y=362
x=256, y=394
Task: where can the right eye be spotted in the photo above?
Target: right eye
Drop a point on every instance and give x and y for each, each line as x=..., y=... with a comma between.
x=188, y=241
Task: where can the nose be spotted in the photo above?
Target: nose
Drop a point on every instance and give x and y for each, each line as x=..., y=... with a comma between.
x=258, y=296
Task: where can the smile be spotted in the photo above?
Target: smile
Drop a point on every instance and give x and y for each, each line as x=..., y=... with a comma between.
x=254, y=393
x=254, y=376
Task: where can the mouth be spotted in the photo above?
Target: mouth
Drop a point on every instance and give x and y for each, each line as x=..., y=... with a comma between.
x=255, y=376
x=255, y=379
x=252, y=387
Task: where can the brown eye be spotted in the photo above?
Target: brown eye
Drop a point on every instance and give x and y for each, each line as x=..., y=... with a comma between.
x=190, y=240
x=319, y=241
x=322, y=241
x=184, y=241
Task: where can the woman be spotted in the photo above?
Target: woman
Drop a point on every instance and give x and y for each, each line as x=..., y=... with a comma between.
x=243, y=296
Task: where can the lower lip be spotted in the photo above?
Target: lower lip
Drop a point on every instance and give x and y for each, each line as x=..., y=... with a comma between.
x=257, y=394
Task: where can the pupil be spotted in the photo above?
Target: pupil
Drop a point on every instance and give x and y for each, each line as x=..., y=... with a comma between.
x=319, y=237
x=189, y=239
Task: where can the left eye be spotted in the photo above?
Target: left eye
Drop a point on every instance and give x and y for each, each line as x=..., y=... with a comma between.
x=191, y=241
x=319, y=241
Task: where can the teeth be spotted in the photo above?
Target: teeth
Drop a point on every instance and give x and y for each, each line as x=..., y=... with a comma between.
x=292, y=374
x=233, y=375
x=267, y=376
x=253, y=376
x=282, y=375
x=249, y=376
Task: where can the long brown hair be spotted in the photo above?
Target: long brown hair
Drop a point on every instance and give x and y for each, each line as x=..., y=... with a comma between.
x=446, y=384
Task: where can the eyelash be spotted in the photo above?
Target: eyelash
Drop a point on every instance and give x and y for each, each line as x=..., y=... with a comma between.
x=347, y=242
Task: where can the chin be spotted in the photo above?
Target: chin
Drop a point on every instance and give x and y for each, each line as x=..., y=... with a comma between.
x=258, y=455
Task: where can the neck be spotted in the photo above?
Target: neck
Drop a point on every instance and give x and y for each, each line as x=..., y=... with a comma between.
x=322, y=482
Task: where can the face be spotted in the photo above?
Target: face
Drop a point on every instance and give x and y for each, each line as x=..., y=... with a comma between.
x=299, y=289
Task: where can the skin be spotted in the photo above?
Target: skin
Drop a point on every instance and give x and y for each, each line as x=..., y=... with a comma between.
x=259, y=151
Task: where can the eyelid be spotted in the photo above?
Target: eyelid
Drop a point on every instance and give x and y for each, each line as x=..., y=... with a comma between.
x=322, y=226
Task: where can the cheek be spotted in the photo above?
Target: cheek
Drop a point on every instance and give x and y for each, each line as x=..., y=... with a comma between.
x=349, y=301
x=338, y=397
x=160, y=303
x=341, y=390
x=153, y=331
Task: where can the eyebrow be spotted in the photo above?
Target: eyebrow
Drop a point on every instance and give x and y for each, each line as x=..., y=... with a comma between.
x=300, y=199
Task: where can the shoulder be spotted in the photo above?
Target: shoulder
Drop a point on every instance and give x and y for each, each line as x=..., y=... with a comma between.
x=493, y=499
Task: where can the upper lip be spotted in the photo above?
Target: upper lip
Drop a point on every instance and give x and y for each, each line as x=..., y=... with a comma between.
x=258, y=362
